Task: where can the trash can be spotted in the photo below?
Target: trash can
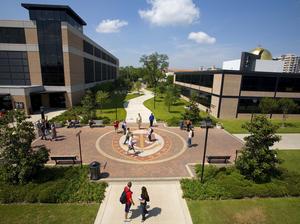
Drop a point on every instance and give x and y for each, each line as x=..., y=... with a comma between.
x=95, y=170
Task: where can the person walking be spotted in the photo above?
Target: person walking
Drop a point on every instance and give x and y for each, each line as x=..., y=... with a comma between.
x=149, y=133
x=128, y=133
x=124, y=127
x=131, y=144
x=190, y=136
x=53, y=132
x=116, y=125
x=143, y=200
x=139, y=120
x=151, y=119
x=129, y=200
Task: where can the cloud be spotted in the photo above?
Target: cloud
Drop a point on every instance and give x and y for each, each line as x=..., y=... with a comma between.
x=201, y=38
x=111, y=26
x=170, y=12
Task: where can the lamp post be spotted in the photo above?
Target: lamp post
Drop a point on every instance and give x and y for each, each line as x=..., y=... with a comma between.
x=116, y=106
x=207, y=124
x=254, y=102
x=79, y=144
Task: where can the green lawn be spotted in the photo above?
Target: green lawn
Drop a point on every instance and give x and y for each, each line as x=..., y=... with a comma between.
x=48, y=213
x=161, y=110
x=256, y=211
x=234, y=126
x=291, y=159
x=109, y=109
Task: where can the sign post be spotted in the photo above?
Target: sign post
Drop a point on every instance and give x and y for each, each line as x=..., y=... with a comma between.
x=79, y=143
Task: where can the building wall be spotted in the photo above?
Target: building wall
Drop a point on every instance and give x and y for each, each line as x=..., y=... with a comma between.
x=24, y=99
x=228, y=107
x=231, y=85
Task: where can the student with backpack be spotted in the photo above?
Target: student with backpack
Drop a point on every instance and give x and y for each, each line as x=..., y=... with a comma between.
x=124, y=127
x=144, y=199
x=149, y=133
x=126, y=198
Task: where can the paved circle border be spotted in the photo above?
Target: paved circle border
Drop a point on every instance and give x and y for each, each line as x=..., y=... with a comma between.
x=141, y=162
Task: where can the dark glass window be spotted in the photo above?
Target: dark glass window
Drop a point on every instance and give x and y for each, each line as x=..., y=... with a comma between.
x=14, y=68
x=287, y=84
x=104, y=71
x=185, y=91
x=203, y=98
x=12, y=35
x=249, y=105
x=97, y=52
x=258, y=83
x=51, y=55
x=98, y=71
x=88, y=48
x=88, y=70
x=196, y=79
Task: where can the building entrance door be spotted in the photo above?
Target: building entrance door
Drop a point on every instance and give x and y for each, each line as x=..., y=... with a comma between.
x=36, y=102
x=57, y=100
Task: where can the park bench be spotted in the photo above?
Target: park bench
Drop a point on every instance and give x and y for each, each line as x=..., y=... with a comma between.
x=209, y=124
x=224, y=158
x=98, y=123
x=60, y=159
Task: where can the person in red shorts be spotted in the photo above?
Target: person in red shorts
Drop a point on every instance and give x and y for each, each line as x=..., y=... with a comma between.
x=129, y=200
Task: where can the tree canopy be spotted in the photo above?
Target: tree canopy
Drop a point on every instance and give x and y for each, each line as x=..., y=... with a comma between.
x=21, y=161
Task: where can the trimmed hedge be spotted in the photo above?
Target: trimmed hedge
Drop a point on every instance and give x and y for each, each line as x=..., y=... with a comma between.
x=55, y=185
x=228, y=183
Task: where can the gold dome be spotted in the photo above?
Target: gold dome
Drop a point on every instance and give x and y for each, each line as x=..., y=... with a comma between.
x=264, y=53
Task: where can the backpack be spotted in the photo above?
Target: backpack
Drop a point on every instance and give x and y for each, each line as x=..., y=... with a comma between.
x=123, y=197
x=192, y=134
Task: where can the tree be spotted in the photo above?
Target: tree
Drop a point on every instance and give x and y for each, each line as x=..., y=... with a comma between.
x=257, y=162
x=155, y=64
x=21, y=162
x=88, y=104
x=138, y=86
x=172, y=95
x=101, y=98
x=286, y=106
x=161, y=88
x=268, y=105
x=170, y=80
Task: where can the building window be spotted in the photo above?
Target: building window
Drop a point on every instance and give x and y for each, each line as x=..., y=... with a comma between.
x=51, y=55
x=14, y=68
x=287, y=84
x=88, y=48
x=97, y=52
x=104, y=71
x=258, y=83
x=12, y=35
x=196, y=79
x=249, y=105
x=89, y=70
x=98, y=71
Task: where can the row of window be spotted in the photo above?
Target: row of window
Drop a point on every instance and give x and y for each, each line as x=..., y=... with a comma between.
x=251, y=105
x=12, y=35
x=196, y=79
x=97, y=71
x=90, y=49
x=201, y=97
x=50, y=49
x=14, y=68
x=259, y=83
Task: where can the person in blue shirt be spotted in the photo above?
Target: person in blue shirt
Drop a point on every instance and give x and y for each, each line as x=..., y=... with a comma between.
x=151, y=119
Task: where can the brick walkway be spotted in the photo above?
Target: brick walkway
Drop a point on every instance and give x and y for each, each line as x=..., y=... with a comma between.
x=219, y=143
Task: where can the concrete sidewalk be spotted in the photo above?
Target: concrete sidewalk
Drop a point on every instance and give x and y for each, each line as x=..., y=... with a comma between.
x=288, y=141
x=135, y=106
x=48, y=114
x=166, y=204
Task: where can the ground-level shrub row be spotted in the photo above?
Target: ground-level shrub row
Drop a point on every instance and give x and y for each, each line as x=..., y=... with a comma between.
x=55, y=185
x=228, y=183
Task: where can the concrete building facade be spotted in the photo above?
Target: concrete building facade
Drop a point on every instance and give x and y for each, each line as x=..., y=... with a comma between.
x=48, y=61
x=291, y=63
x=237, y=93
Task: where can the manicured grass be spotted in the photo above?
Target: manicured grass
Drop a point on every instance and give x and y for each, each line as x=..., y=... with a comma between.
x=256, y=211
x=234, y=126
x=161, y=110
x=48, y=213
x=109, y=109
x=291, y=159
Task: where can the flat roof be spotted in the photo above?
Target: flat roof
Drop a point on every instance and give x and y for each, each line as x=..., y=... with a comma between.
x=65, y=8
x=238, y=72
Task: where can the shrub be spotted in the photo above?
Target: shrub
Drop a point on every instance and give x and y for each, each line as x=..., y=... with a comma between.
x=55, y=185
x=174, y=121
x=228, y=183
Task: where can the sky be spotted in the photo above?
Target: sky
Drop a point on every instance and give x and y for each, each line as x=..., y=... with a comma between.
x=193, y=33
